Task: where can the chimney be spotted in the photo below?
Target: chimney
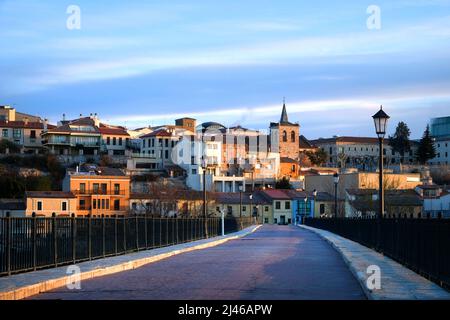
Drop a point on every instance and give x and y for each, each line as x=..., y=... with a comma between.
x=25, y=121
x=45, y=124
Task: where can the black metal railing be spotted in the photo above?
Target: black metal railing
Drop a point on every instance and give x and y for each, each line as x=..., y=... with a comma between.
x=422, y=245
x=32, y=243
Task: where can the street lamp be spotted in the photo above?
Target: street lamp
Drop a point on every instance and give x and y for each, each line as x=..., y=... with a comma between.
x=336, y=182
x=204, y=167
x=314, y=205
x=304, y=211
x=240, y=198
x=381, y=120
x=251, y=204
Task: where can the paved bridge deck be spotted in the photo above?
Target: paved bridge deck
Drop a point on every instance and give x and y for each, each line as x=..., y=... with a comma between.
x=275, y=262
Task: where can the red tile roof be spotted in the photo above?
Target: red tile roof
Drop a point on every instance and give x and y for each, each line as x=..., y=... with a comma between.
x=22, y=124
x=276, y=194
x=49, y=194
x=158, y=133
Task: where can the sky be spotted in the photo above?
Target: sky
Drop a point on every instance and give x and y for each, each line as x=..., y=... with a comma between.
x=140, y=63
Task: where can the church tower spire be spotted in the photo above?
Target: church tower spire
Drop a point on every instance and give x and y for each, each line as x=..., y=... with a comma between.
x=284, y=116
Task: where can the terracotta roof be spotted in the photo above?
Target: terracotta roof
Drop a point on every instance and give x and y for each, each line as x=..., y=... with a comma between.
x=49, y=194
x=304, y=143
x=287, y=160
x=235, y=198
x=21, y=124
x=275, y=194
x=158, y=133
x=363, y=140
x=118, y=131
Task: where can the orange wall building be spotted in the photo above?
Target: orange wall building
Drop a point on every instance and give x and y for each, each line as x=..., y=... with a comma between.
x=99, y=190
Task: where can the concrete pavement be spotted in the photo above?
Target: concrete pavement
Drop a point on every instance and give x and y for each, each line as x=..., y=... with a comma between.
x=396, y=282
x=275, y=262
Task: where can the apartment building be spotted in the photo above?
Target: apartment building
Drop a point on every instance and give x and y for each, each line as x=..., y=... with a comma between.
x=361, y=152
x=98, y=190
x=440, y=131
x=360, y=180
x=22, y=129
x=49, y=203
x=86, y=136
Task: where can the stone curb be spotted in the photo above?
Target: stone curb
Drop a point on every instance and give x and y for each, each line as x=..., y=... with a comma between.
x=430, y=290
x=50, y=282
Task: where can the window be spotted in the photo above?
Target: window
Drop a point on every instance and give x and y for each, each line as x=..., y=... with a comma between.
x=287, y=205
x=108, y=141
x=284, y=136
x=229, y=210
x=82, y=204
x=166, y=154
x=244, y=208
x=33, y=134
x=277, y=205
x=116, y=188
x=95, y=188
x=5, y=133
x=103, y=204
x=322, y=208
x=107, y=204
x=120, y=141
x=82, y=188
x=104, y=188
x=39, y=205
x=116, y=205
x=166, y=143
x=114, y=141
x=17, y=134
x=64, y=206
x=266, y=208
x=293, y=168
x=94, y=204
x=134, y=206
x=292, y=136
x=266, y=220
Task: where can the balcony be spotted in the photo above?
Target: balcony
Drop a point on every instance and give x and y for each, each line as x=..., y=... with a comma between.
x=102, y=211
x=99, y=192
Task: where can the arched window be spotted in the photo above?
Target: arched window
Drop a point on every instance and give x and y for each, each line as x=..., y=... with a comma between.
x=292, y=136
x=284, y=136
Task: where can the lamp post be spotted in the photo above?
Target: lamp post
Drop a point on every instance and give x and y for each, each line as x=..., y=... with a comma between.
x=240, y=199
x=304, y=210
x=251, y=204
x=381, y=119
x=204, y=167
x=336, y=182
x=314, y=205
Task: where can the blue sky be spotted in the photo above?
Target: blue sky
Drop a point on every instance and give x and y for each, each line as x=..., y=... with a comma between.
x=138, y=63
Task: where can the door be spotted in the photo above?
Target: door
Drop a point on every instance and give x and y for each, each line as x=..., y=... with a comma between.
x=282, y=220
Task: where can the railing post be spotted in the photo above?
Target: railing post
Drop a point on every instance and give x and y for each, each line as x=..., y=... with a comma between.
x=33, y=234
x=167, y=231
x=115, y=234
x=103, y=236
x=223, y=222
x=125, y=221
x=145, y=230
x=8, y=243
x=90, y=236
x=55, y=240
x=137, y=232
x=74, y=238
